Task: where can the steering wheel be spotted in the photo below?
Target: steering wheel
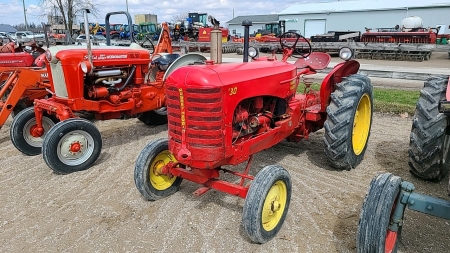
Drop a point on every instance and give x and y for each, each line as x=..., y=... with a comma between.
x=146, y=38
x=293, y=47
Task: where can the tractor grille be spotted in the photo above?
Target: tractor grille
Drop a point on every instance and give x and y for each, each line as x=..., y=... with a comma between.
x=59, y=81
x=202, y=113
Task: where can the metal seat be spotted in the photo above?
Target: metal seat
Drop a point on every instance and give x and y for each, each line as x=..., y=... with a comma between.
x=315, y=61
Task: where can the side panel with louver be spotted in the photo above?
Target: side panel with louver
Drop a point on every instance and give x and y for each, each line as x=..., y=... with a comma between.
x=59, y=81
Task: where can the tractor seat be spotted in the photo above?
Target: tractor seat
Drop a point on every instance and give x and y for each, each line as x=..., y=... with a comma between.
x=315, y=61
x=166, y=59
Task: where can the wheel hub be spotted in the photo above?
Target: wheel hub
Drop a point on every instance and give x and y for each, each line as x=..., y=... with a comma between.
x=36, y=131
x=75, y=147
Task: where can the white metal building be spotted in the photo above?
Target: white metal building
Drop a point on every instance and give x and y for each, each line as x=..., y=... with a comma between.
x=356, y=15
x=258, y=22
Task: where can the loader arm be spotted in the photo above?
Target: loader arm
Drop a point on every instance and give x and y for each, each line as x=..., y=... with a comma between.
x=21, y=85
x=164, y=43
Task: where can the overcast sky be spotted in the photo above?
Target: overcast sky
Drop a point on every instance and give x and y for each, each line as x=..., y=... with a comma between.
x=11, y=11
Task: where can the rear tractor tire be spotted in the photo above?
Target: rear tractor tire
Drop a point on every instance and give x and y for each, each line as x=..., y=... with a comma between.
x=267, y=203
x=72, y=145
x=349, y=120
x=430, y=138
x=373, y=233
x=21, y=131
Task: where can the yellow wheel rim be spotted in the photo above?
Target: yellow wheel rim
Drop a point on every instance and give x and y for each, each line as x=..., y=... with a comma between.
x=361, y=124
x=274, y=205
x=161, y=182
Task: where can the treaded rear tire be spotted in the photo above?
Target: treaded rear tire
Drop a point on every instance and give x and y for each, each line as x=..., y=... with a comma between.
x=340, y=123
x=428, y=146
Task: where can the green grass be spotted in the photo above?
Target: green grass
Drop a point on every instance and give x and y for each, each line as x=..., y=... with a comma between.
x=388, y=100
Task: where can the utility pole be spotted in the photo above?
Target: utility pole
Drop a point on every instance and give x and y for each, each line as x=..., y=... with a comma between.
x=127, y=6
x=25, y=15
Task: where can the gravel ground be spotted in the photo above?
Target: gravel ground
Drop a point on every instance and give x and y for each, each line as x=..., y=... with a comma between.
x=100, y=210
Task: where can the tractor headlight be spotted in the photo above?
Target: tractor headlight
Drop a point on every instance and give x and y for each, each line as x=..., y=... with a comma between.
x=252, y=52
x=86, y=67
x=48, y=55
x=345, y=53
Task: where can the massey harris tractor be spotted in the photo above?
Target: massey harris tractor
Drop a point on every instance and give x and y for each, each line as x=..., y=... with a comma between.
x=109, y=82
x=382, y=214
x=222, y=114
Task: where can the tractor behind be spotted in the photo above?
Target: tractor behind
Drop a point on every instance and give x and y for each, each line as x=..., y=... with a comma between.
x=109, y=82
x=222, y=114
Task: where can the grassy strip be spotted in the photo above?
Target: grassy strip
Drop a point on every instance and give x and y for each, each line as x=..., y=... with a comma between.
x=395, y=101
x=389, y=100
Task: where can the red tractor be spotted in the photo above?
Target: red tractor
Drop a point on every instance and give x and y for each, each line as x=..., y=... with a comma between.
x=222, y=114
x=108, y=81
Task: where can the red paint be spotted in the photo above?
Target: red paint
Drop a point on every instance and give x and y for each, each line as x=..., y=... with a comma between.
x=75, y=147
x=222, y=114
x=95, y=96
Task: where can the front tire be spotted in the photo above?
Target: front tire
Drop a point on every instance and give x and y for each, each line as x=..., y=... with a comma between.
x=72, y=145
x=21, y=131
x=429, y=139
x=149, y=182
x=267, y=203
x=373, y=229
x=349, y=120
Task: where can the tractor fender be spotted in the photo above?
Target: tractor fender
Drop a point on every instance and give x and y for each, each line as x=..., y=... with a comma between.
x=335, y=76
x=40, y=61
x=184, y=61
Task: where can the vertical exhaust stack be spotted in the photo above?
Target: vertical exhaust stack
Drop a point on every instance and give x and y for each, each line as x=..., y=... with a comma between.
x=88, y=37
x=216, y=41
x=246, y=24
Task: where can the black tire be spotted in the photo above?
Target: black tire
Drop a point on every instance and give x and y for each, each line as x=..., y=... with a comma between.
x=149, y=184
x=271, y=178
x=429, y=144
x=349, y=120
x=20, y=131
x=154, y=118
x=375, y=214
x=20, y=106
x=78, y=134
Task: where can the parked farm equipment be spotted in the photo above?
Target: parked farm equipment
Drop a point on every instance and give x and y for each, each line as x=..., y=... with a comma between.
x=19, y=87
x=222, y=114
x=23, y=78
x=109, y=82
x=383, y=211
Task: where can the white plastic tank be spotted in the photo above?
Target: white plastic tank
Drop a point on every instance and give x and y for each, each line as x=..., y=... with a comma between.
x=411, y=22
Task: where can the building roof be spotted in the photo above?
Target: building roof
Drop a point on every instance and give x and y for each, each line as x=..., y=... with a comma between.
x=361, y=5
x=271, y=18
x=7, y=28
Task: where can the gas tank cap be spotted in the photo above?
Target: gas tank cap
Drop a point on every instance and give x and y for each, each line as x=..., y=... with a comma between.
x=209, y=62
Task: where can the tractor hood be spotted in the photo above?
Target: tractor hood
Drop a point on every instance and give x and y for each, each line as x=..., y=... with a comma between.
x=211, y=75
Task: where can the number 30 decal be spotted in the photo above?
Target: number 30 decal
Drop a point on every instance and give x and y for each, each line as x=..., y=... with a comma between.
x=232, y=91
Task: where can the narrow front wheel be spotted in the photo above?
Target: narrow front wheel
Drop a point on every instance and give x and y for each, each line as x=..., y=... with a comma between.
x=267, y=203
x=72, y=145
